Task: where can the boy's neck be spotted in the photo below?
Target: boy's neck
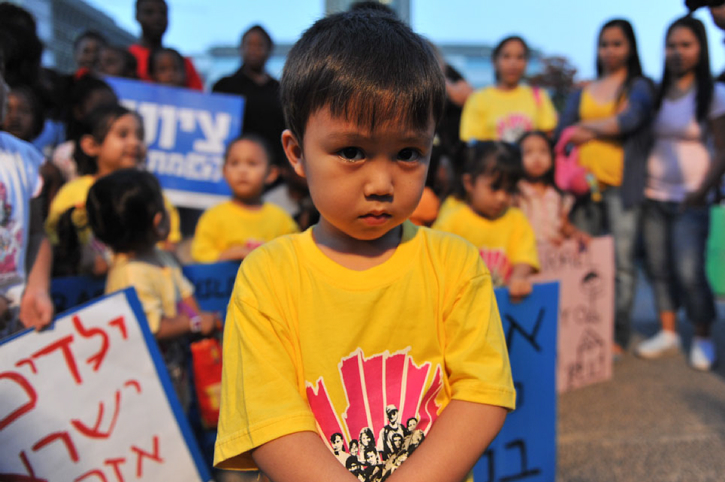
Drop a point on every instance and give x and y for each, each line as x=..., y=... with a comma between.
x=249, y=203
x=150, y=43
x=352, y=253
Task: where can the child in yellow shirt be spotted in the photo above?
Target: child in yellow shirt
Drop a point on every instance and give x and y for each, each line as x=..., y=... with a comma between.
x=502, y=233
x=364, y=321
x=231, y=230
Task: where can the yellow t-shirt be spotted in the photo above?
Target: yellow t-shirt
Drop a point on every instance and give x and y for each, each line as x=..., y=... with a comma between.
x=502, y=243
x=449, y=206
x=75, y=193
x=312, y=346
x=159, y=288
x=604, y=158
x=231, y=224
x=492, y=114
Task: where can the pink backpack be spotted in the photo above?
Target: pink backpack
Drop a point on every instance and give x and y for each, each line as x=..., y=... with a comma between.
x=569, y=176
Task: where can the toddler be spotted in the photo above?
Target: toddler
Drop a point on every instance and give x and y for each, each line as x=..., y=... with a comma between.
x=231, y=230
x=502, y=233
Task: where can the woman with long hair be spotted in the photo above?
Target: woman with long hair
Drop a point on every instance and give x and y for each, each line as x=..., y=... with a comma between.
x=686, y=162
x=608, y=116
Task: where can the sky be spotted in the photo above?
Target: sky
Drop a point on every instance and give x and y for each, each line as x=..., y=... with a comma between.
x=557, y=27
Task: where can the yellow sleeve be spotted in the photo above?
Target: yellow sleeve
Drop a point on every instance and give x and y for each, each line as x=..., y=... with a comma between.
x=260, y=396
x=126, y=276
x=546, y=116
x=204, y=246
x=473, y=118
x=476, y=354
x=174, y=222
x=523, y=243
x=66, y=198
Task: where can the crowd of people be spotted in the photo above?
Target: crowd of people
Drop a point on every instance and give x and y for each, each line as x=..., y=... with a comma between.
x=75, y=198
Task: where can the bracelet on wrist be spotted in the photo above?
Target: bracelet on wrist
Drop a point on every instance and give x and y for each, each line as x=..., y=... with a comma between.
x=195, y=324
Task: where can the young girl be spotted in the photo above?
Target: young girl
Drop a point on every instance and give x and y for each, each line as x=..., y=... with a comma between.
x=126, y=212
x=231, y=230
x=112, y=139
x=686, y=162
x=546, y=208
x=608, y=116
x=507, y=109
x=505, y=238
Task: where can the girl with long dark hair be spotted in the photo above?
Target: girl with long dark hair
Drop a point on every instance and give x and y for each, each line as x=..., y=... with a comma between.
x=686, y=162
x=608, y=116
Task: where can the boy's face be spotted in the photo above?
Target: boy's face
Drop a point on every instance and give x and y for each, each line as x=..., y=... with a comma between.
x=247, y=169
x=363, y=183
x=87, y=52
x=19, y=118
x=486, y=197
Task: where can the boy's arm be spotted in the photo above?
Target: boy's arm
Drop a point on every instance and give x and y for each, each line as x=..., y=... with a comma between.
x=300, y=457
x=520, y=284
x=454, y=444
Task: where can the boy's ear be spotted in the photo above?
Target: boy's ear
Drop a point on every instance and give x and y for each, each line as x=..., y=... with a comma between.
x=467, y=182
x=89, y=146
x=272, y=175
x=293, y=149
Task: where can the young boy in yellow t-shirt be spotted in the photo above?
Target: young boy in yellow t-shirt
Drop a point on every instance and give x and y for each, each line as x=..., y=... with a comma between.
x=364, y=321
x=502, y=233
x=231, y=230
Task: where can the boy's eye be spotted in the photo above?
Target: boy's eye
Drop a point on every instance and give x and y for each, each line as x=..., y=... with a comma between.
x=409, y=155
x=351, y=154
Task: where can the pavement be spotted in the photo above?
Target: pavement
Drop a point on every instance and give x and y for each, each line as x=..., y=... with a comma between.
x=655, y=420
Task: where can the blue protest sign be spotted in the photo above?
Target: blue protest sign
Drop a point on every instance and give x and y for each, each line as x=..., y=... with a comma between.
x=186, y=133
x=525, y=449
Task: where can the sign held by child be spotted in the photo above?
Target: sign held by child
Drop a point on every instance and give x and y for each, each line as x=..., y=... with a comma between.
x=89, y=399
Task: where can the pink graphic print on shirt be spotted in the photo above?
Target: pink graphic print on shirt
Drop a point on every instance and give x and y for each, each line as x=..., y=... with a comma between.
x=389, y=411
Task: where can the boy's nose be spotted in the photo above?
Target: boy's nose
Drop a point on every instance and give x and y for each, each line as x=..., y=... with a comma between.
x=379, y=182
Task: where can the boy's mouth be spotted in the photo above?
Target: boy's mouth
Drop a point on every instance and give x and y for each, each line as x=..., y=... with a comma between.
x=376, y=218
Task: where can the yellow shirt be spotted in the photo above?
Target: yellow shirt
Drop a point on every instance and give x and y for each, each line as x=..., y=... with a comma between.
x=74, y=194
x=312, y=346
x=602, y=157
x=502, y=243
x=450, y=205
x=159, y=288
x=492, y=114
x=231, y=224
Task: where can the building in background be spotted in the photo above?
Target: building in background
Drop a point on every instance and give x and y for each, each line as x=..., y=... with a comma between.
x=61, y=21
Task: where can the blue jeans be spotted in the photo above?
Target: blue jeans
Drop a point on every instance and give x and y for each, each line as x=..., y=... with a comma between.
x=675, y=245
x=610, y=217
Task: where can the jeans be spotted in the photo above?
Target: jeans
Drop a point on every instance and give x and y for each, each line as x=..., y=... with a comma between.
x=610, y=217
x=675, y=245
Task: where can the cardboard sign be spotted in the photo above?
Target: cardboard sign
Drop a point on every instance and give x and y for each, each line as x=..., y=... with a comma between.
x=89, y=399
x=586, y=315
x=525, y=449
x=187, y=133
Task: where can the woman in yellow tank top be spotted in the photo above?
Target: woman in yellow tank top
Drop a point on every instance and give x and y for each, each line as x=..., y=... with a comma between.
x=607, y=114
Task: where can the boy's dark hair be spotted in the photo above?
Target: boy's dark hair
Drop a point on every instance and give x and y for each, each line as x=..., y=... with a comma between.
x=130, y=63
x=703, y=75
x=89, y=34
x=97, y=124
x=164, y=50
x=67, y=250
x=372, y=6
x=497, y=159
x=121, y=209
x=366, y=67
x=257, y=139
x=261, y=31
